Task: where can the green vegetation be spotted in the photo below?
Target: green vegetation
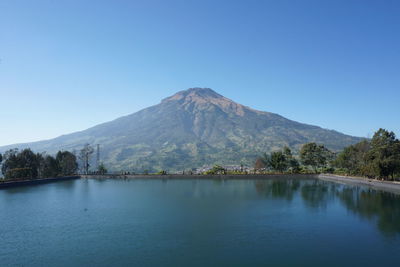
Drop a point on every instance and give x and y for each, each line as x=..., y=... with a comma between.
x=26, y=164
x=278, y=161
x=101, y=169
x=376, y=158
x=316, y=156
x=67, y=164
x=217, y=169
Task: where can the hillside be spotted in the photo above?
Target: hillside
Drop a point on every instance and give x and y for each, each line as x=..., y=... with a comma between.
x=189, y=129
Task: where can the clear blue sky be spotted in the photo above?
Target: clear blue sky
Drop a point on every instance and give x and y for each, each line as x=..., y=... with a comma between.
x=69, y=65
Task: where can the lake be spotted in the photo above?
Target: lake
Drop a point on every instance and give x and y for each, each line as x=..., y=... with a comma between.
x=189, y=222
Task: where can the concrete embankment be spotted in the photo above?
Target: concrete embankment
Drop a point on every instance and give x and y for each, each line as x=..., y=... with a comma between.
x=36, y=181
x=389, y=186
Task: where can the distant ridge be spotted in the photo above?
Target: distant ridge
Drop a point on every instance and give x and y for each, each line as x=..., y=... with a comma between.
x=192, y=128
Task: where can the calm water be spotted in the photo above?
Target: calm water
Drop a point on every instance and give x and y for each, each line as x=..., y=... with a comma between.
x=198, y=223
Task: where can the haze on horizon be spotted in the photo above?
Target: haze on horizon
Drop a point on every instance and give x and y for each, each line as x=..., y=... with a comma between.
x=69, y=65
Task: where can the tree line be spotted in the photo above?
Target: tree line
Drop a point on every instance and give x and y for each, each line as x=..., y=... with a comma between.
x=25, y=164
x=378, y=158
x=312, y=158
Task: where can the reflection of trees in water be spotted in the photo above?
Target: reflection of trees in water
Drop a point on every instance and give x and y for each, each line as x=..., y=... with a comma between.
x=67, y=184
x=316, y=194
x=379, y=206
x=372, y=204
x=284, y=188
x=218, y=181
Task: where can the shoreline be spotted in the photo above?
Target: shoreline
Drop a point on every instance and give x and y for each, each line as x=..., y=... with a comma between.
x=388, y=186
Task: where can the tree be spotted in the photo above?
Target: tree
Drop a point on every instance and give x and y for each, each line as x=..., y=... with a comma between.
x=49, y=167
x=353, y=158
x=40, y=161
x=278, y=161
x=384, y=155
x=84, y=156
x=217, y=169
x=102, y=169
x=26, y=164
x=22, y=164
x=67, y=163
x=10, y=163
x=291, y=162
x=315, y=155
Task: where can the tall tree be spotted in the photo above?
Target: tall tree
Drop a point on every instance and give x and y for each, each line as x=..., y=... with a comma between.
x=10, y=161
x=49, y=167
x=384, y=156
x=315, y=155
x=67, y=163
x=85, y=155
x=101, y=169
x=353, y=158
x=278, y=161
x=292, y=162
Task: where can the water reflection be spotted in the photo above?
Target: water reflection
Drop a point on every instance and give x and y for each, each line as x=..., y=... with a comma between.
x=374, y=205
x=317, y=194
x=383, y=207
x=284, y=188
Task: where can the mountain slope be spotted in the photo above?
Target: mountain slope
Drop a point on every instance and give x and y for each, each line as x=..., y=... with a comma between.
x=190, y=129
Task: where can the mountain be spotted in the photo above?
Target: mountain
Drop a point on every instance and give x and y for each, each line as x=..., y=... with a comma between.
x=189, y=129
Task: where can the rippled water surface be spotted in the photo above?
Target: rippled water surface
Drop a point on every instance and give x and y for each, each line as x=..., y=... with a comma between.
x=198, y=223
